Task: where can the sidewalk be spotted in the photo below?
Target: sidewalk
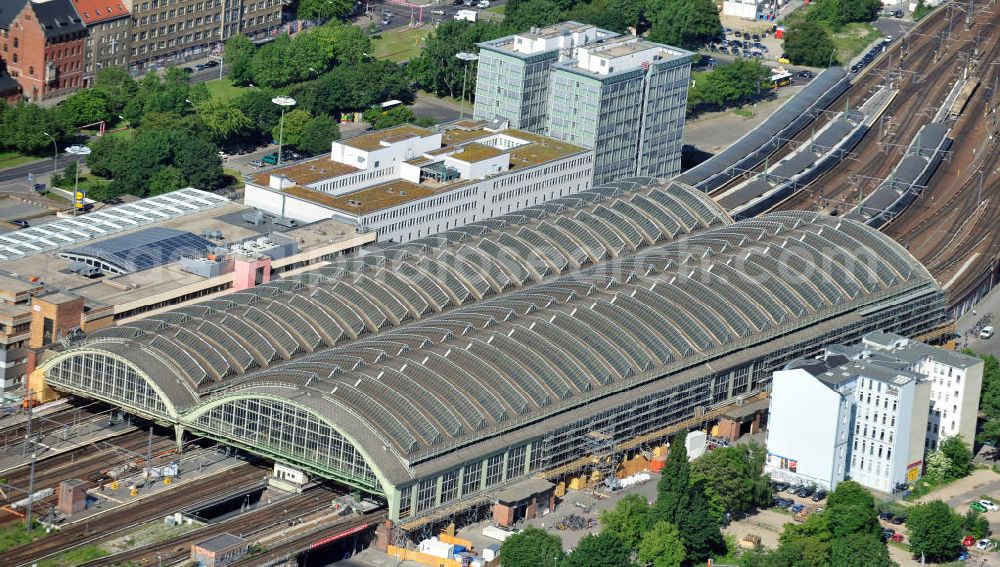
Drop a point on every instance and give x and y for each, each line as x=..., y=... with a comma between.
x=714, y=131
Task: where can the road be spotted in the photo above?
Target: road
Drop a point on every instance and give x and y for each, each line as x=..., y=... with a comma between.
x=17, y=176
x=401, y=15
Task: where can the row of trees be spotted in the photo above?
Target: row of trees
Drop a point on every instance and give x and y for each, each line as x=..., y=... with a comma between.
x=743, y=81
x=989, y=399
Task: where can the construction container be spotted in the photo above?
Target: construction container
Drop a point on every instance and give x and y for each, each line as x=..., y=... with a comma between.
x=578, y=483
x=657, y=463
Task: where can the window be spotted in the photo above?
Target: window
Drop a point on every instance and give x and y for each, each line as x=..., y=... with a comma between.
x=449, y=486
x=15, y=43
x=406, y=496
x=425, y=495
x=494, y=470
x=473, y=474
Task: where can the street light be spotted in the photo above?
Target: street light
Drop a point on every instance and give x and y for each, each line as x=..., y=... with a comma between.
x=79, y=152
x=284, y=102
x=465, y=56
x=55, y=153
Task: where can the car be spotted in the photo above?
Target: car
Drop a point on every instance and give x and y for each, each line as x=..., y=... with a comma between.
x=798, y=508
x=898, y=538
x=886, y=516
x=458, y=3
x=211, y=64
x=723, y=49
x=738, y=33
x=899, y=520
x=483, y=4
x=820, y=495
x=968, y=541
x=780, y=486
x=756, y=37
x=805, y=74
x=977, y=507
x=385, y=21
x=888, y=533
x=986, y=332
x=989, y=505
x=20, y=223
x=963, y=556
x=187, y=70
x=807, y=491
x=898, y=14
x=257, y=163
x=984, y=544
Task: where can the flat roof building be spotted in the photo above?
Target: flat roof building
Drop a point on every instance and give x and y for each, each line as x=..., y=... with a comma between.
x=436, y=373
x=408, y=182
x=623, y=96
x=133, y=260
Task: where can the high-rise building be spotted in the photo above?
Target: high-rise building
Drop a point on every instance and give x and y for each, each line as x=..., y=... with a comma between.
x=108, y=33
x=623, y=96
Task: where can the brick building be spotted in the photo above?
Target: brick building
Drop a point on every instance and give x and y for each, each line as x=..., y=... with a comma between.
x=108, y=35
x=43, y=46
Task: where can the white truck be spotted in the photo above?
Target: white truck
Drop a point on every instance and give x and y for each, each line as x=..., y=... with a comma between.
x=468, y=15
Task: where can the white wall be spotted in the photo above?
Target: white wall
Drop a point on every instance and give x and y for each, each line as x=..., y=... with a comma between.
x=591, y=59
x=397, y=152
x=803, y=426
x=295, y=208
x=290, y=474
x=745, y=10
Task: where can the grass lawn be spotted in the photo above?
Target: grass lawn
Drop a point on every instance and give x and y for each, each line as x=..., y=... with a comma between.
x=502, y=9
x=75, y=557
x=11, y=159
x=14, y=535
x=853, y=39
x=850, y=40
x=224, y=89
x=400, y=44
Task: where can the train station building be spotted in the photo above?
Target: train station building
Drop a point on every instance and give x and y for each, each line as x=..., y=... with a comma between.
x=439, y=373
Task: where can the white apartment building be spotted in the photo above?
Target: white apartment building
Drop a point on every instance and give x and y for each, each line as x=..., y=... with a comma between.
x=840, y=416
x=409, y=182
x=956, y=381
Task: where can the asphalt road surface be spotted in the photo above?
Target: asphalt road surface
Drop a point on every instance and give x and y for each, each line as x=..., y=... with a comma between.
x=400, y=16
x=17, y=176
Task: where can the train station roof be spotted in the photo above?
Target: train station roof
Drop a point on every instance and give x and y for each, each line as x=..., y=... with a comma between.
x=447, y=341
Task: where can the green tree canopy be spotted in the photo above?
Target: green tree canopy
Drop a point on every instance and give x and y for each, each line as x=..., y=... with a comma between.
x=975, y=524
x=118, y=85
x=238, y=55
x=604, y=549
x=87, y=106
x=324, y=9
x=318, y=134
x=270, y=66
x=804, y=544
x=850, y=509
x=959, y=456
x=256, y=105
x=935, y=531
x=165, y=180
x=860, y=550
x=23, y=127
x=989, y=399
x=938, y=466
x=382, y=119
x=346, y=44
x=673, y=489
x=531, y=547
x=662, y=546
x=837, y=13
x=630, y=519
x=699, y=529
x=684, y=23
x=808, y=43
x=294, y=124
x=735, y=480
x=224, y=119
x=437, y=70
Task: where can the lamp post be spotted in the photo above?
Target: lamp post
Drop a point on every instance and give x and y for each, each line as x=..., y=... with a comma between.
x=79, y=152
x=284, y=102
x=55, y=153
x=466, y=57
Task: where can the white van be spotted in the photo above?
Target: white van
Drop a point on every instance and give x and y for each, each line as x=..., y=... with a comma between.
x=986, y=332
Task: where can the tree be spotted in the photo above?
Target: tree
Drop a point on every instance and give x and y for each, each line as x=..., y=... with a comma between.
x=308, y=56
x=291, y=130
x=23, y=127
x=989, y=399
x=324, y=9
x=269, y=66
x=614, y=15
x=804, y=544
x=959, y=456
x=238, y=54
x=318, y=134
x=673, y=488
x=934, y=531
x=382, y=119
x=224, y=119
x=354, y=87
x=808, y=43
x=520, y=16
x=661, y=546
x=938, y=467
x=531, y=547
x=86, y=106
x=699, y=529
x=684, y=23
x=346, y=44
x=860, y=550
x=437, y=70
x=975, y=524
x=850, y=509
x=734, y=478
x=837, y=13
x=257, y=106
x=198, y=161
x=165, y=180
x=118, y=85
x=630, y=519
x=604, y=549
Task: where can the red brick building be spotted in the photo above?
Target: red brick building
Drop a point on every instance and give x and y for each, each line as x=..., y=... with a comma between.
x=43, y=46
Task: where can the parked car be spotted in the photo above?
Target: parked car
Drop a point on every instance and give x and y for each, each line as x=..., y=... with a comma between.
x=798, y=508
x=20, y=223
x=780, y=486
x=899, y=520
x=986, y=332
x=977, y=507
x=257, y=163
x=820, y=495
x=886, y=516
x=984, y=544
x=888, y=533
x=270, y=159
x=187, y=70
x=807, y=491
x=989, y=505
x=211, y=64
x=898, y=538
x=483, y=4
x=963, y=556
x=968, y=541
x=805, y=74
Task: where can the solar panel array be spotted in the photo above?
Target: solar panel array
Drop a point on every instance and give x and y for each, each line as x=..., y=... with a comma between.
x=141, y=250
x=105, y=222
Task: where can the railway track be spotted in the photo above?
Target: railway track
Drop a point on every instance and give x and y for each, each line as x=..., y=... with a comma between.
x=47, y=424
x=295, y=543
x=244, y=525
x=107, y=525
